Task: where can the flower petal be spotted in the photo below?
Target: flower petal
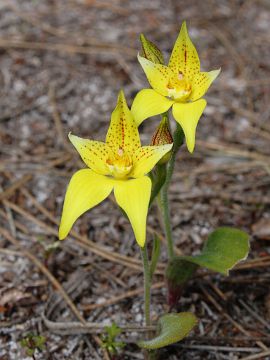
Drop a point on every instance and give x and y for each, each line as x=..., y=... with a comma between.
x=146, y=157
x=93, y=153
x=184, y=57
x=85, y=190
x=123, y=132
x=149, y=103
x=188, y=115
x=201, y=83
x=133, y=197
x=158, y=75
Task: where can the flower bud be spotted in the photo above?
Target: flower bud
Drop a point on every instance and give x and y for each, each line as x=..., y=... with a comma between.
x=162, y=136
x=178, y=272
x=151, y=51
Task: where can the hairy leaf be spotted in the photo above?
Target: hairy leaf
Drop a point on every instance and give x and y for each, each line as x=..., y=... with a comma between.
x=173, y=328
x=224, y=248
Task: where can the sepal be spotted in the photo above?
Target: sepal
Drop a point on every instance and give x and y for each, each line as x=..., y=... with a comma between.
x=150, y=51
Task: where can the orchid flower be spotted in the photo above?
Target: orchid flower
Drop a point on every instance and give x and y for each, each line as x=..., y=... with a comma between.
x=179, y=85
x=119, y=164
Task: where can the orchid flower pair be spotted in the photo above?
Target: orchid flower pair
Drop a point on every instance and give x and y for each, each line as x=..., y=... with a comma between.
x=120, y=163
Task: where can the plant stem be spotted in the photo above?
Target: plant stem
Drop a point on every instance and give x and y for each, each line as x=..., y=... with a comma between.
x=178, y=137
x=147, y=285
x=165, y=211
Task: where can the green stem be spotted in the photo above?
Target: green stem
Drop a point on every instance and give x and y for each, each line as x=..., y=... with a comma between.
x=178, y=138
x=147, y=285
x=165, y=211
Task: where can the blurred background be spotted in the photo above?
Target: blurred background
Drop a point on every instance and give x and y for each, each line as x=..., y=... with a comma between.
x=62, y=64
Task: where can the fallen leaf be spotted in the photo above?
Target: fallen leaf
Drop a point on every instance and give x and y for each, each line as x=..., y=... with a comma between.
x=261, y=229
x=11, y=296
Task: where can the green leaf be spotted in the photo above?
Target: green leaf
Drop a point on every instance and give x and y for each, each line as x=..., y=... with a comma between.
x=109, y=341
x=224, y=248
x=33, y=342
x=158, y=177
x=30, y=352
x=173, y=328
x=151, y=51
x=155, y=255
x=113, y=330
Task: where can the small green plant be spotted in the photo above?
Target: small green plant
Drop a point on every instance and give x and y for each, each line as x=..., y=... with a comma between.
x=109, y=341
x=32, y=343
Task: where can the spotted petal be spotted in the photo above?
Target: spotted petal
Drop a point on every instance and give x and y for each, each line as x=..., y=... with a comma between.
x=123, y=132
x=188, y=115
x=151, y=51
x=85, y=190
x=184, y=57
x=201, y=83
x=146, y=157
x=158, y=75
x=93, y=153
x=149, y=103
x=133, y=197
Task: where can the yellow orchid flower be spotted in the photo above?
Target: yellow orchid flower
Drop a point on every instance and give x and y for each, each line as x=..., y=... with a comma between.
x=179, y=85
x=119, y=164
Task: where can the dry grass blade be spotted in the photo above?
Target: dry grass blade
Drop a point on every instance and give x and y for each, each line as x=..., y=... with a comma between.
x=45, y=271
x=259, y=356
x=7, y=192
x=83, y=242
x=57, y=120
x=64, y=48
x=87, y=242
x=228, y=317
x=232, y=151
x=125, y=295
x=76, y=328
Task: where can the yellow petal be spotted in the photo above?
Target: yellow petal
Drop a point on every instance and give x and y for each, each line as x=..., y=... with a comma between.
x=85, y=190
x=201, y=83
x=184, y=57
x=158, y=75
x=133, y=197
x=146, y=157
x=123, y=132
x=188, y=115
x=93, y=153
x=149, y=103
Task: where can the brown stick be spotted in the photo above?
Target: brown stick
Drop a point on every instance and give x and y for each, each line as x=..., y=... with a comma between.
x=45, y=271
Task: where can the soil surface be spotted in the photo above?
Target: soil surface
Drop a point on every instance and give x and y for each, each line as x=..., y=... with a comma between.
x=62, y=64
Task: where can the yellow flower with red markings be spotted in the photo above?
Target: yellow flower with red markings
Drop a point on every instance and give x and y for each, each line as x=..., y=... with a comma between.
x=119, y=164
x=179, y=85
